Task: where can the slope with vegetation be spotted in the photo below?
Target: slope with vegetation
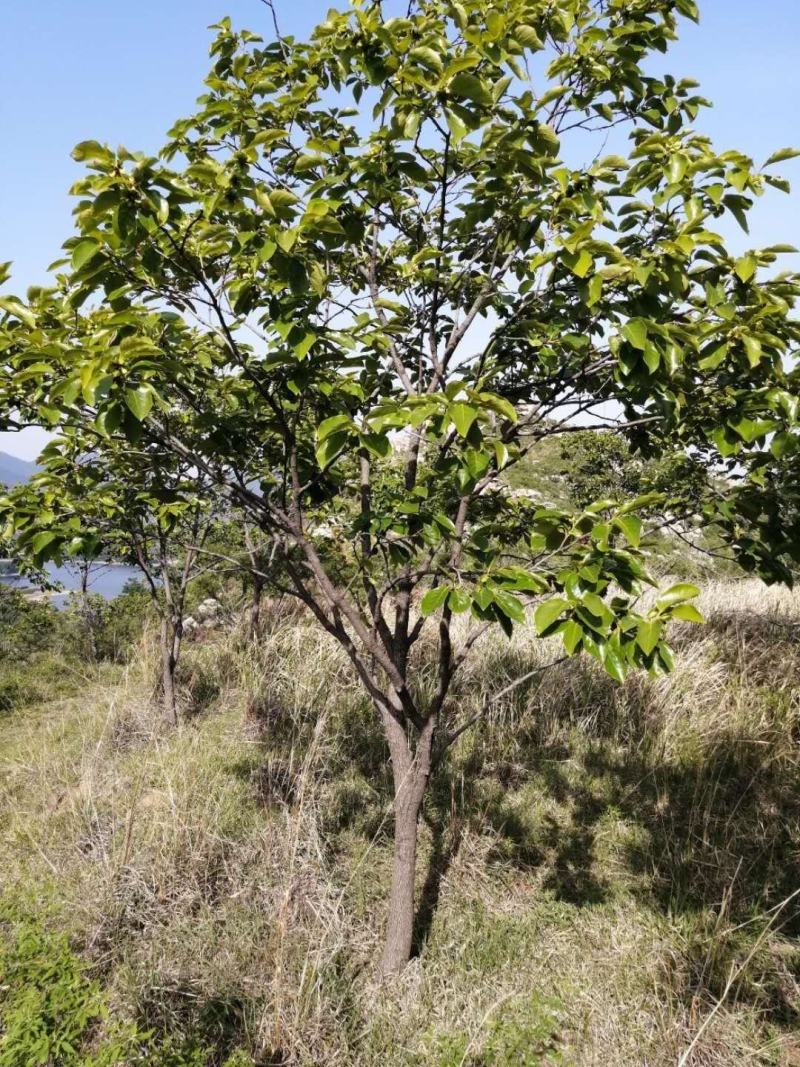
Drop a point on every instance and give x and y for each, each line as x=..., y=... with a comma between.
x=360, y=284
x=609, y=873
x=334, y=345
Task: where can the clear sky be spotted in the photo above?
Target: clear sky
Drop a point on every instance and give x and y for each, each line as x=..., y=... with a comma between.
x=122, y=72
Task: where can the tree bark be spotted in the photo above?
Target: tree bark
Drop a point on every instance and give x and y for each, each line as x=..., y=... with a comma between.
x=400, y=922
x=255, y=609
x=87, y=614
x=168, y=666
x=410, y=774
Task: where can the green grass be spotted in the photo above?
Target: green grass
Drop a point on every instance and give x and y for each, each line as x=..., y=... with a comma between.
x=606, y=873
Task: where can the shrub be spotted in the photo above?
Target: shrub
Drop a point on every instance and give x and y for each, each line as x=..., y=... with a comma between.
x=53, y=1013
x=26, y=626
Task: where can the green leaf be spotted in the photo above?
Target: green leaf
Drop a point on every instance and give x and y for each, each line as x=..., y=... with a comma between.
x=547, y=613
x=598, y=607
x=613, y=663
x=510, y=606
x=646, y=500
x=752, y=347
x=445, y=523
x=676, y=594
x=287, y=238
x=782, y=154
x=330, y=448
x=631, y=526
x=331, y=425
x=433, y=600
x=17, y=309
x=752, y=429
x=264, y=201
x=648, y=634
x=571, y=634
x=139, y=401
x=580, y=263
x=267, y=251
x=783, y=444
x=500, y=405
x=462, y=416
x=471, y=87
x=652, y=357
x=43, y=540
x=678, y=166
x=428, y=58
x=302, y=342
x=667, y=658
x=687, y=613
x=501, y=454
x=460, y=15
x=635, y=331
x=595, y=290
x=545, y=141
x=83, y=252
x=90, y=150
x=459, y=601
x=720, y=438
x=528, y=37
x=522, y=580
x=715, y=357
x=377, y=443
x=745, y=267
x=495, y=24
x=412, y=124
x=456, y=125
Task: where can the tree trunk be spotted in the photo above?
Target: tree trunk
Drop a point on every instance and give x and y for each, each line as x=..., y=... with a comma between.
x=400, y=922
x=255, y=610
x=168, y=665
x=410, y=774
x=87, y=615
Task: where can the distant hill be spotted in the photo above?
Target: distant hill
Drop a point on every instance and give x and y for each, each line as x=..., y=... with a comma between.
x=14, y=471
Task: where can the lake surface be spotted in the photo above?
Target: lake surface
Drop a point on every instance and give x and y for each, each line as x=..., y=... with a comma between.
x=107, y=581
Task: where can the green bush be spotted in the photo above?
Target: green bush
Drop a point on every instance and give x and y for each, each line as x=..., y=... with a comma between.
x=44, y=676
x=53, y=1014
x=124, y=621
x=49, y=1007
x=599, y=465
x=32, y=640
x=26, y=626
x=98, y=629
x=40, y=645
x=520, y=1035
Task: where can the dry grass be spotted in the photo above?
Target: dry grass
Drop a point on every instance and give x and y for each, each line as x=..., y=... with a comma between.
x=605, y=879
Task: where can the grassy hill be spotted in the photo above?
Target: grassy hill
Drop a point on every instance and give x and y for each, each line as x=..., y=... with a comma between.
x=608, y=873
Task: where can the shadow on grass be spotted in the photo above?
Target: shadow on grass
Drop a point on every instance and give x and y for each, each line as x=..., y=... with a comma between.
x=712, y=831
x=573, y=787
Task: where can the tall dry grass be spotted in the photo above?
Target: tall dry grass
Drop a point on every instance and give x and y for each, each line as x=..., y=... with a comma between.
x=607, y=872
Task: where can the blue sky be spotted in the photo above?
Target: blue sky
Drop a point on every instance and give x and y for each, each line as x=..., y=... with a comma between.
x=122, y=72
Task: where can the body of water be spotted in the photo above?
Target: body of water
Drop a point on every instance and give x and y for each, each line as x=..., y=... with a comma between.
x=106, y=580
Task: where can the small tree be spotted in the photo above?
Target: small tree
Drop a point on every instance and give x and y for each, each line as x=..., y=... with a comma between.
x=372, y=272
x=95, y=501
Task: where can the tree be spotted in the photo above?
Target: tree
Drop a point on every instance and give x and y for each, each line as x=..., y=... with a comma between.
x=601, y=464
x=95, y=501
x=371, y=273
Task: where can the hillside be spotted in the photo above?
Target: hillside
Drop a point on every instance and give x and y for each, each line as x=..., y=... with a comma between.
x=14, y=471
x=609, y=873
